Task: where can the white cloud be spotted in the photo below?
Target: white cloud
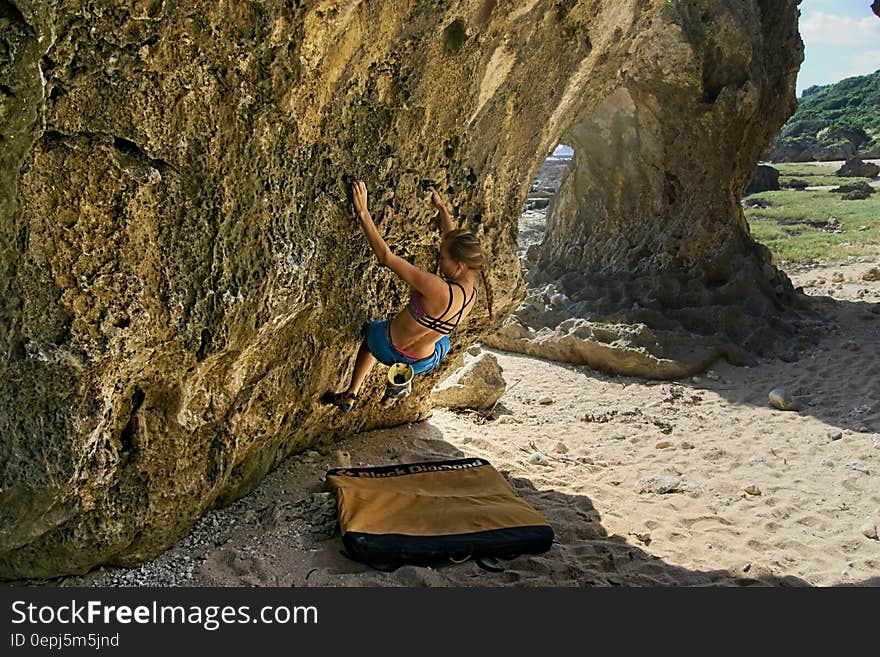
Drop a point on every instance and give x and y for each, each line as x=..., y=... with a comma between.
x=858, y=64
x=867, y=62
x=839, y=30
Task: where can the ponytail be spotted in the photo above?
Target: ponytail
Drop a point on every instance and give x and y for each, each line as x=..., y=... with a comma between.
x=489, y=295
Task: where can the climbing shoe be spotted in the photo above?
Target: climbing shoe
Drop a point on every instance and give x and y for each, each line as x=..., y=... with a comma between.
x=342, y=400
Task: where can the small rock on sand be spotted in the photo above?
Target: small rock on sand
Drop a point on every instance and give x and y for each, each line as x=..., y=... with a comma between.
x=872, y=274
x=561, y=448
x=664, y=444
x=343, y=459
x=545, y=401
x=837, y=434
x=664, y=484
x=780, y=398
x=858, y=466
x=837, y=277
x=869, y=529
x=539, y=459
x=752, y=489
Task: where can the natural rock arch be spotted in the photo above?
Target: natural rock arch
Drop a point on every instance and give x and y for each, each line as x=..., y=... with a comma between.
x=647, y=254
x=182, y=274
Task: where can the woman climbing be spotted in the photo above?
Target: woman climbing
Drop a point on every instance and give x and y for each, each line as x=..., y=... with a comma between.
x=419, y=334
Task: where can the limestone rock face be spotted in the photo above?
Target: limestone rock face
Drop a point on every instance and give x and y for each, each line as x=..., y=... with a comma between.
x=182, y=274
x=477, y=385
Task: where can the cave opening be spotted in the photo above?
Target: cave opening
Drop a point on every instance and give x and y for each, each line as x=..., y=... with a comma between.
x=537, y=206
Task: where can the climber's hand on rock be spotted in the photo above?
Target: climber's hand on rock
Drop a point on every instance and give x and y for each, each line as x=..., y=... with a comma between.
x=359, y=194
x=435, y=198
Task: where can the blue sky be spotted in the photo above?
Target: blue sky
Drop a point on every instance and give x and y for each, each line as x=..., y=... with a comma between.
x=841, y=39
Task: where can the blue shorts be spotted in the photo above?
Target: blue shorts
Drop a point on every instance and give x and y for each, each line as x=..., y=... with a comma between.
x=378, y=337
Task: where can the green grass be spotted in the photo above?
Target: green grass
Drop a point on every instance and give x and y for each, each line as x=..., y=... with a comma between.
x=816, y=180
x=800, y=169
x=813, y=173
x=792, y=226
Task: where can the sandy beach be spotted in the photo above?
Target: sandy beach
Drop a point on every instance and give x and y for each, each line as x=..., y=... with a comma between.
x=694, y=482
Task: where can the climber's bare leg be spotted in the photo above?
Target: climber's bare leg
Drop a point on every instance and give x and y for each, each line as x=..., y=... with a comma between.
x=362, y=366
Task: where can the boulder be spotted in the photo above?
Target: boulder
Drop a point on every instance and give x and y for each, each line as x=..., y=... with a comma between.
x=765, y=179
x=857, y=191
x=856, y=168
x=182, y=270
x=477, y=385
x=858, y=186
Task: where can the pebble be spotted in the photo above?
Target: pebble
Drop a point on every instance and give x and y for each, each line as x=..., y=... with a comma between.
x=851, y=346
x=664, y=444
x=686, y=445
x=545, y=401
x=539, y=459
x=869, y=529
x=507, y=419
x=827, y=463
x=747, y=567
x=781, y=399
x=752, y=489
x=467, y=439
x=712, y=375
x=837, y=434
x=754, y=460
x=343, y=459
x=858, y=466
x=872, y=274
x=561, y=448
x=837, y=277
x=559, y=300
x=663, y=484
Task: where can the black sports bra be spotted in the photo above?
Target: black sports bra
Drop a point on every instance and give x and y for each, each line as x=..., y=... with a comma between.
x=444, y=326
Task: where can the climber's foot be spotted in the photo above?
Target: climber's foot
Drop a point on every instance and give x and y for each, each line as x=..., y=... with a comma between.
x=342, y=400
